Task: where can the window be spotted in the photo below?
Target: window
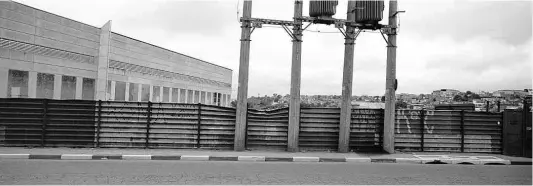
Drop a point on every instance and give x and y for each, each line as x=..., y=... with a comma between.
x=108, y=90
x=134, y=92
x=202, y=97
x=68, y=87
x=88, y=89
x=166, y=94
x=156, y=96
x=17, y=84
x=45, y=85
x=175, y=97
x=120, y=91
x=215, y=95
x=196, y=96
x=145, y=92
x=190, y=96
x=223, y=100
x=183, y=95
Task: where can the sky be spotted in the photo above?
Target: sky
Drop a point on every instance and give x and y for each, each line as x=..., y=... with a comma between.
x=457, y=44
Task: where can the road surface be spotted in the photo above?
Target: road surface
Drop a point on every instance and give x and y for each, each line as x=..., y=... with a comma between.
x=180, y=172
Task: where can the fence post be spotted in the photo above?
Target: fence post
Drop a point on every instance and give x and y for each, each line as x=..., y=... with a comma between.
x=246, y=129
x=198, y=127
x=499, y=104
x=99, y=124
x=148, y=118
x=462, y=131
x=45, y=121
x=422, y=124
x=501, y=132
x=488, y=104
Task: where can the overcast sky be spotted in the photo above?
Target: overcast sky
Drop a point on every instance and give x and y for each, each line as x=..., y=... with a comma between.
x=464, y=45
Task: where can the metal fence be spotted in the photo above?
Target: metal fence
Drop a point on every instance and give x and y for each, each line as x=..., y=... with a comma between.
x=267, y=129
x=47, y=123
x=448, y=131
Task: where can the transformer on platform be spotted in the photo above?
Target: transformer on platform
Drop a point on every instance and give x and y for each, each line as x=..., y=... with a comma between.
x=323, y=9
x=369, y=12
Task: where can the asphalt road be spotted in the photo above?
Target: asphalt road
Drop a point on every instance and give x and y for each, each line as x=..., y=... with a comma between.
x=179, y=172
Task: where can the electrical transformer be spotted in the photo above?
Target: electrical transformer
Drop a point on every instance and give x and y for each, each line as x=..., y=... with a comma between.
x=369, y=12
x=322, y=9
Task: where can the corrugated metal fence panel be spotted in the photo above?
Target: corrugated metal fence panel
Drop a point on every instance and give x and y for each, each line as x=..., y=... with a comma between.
x=22, y=121
x=408, y=130
x=217, y=128
x=267, y=129
x=70, y=123
x=319, y=128
x=483, y=132
x=442, y=131
x=367, y=129
x=123, y=124
x=173, y=125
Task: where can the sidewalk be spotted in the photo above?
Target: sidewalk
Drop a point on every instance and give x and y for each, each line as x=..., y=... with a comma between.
x=219, y=155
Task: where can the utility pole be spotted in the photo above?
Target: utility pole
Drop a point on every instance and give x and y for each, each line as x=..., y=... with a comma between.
x=294, y=106
x=242, y=93
x=347, y=78
x=390, y=87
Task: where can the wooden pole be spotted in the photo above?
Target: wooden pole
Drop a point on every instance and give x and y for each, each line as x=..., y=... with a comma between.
x=242, y=94
x=390, y=92
x=347, y=79
x=294, y=106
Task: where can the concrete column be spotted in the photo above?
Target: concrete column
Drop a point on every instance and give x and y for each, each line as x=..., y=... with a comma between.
x=4, y=74
x=347, y=79
x=170, y=94
x=57, y=86
x=139, y=92
x=127, y=92
x=186, y=96
x=160, y=94
x=296, y=78
x=205, y=98
x=103, y=61
x=32, y=84
x=179, y=95
x=390, y=84
x=113, y=85
x=193, y=96
x=79, y=87
x=151, y=95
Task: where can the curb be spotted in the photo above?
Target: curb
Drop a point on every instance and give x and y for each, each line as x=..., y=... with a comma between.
x=263, y=159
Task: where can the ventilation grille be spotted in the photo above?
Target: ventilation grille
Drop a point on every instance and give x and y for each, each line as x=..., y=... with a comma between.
x=156, y=72
x=45, y=51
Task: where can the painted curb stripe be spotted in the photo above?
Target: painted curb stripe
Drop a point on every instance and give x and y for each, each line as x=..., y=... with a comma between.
x=14, y=156
x=378, y=160
x=521, y=163
x=251, y=158
x=409, y=160
x=278, y=159
x=136, y=157
x=305, y=159
x=53, y=157
x=223, y=158
x=332, y=159
x=107, y=157
x=166, y=157
x=194, y=158
x=76, y=157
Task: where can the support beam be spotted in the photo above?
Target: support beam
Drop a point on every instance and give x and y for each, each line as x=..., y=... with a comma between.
x=113, y=90
x=127, y=92
x=296, y=77
x=103, y=62
x=347, y=79
x=390, y=92
x=79, y=87
x=242, y=94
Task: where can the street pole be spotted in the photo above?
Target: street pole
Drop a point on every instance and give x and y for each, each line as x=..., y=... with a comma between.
x=294, y=106
x=347, y=78
x=390, y=92
x=242, y=93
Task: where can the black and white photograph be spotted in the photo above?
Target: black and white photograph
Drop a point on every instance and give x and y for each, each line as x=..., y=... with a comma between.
x=266, y=92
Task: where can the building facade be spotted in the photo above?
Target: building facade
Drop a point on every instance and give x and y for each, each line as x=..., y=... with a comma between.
x=43, y=55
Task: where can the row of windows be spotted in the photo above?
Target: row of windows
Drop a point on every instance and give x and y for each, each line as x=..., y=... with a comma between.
x=18, y=87
x=119, y=91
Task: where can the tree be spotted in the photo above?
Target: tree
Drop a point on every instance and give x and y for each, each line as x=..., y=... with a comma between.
x=401, y=105
x=382, y=98
x=234, y=103
x=458, y=98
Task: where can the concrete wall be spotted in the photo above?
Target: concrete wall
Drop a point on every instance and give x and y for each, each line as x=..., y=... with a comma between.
x=40, y=42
